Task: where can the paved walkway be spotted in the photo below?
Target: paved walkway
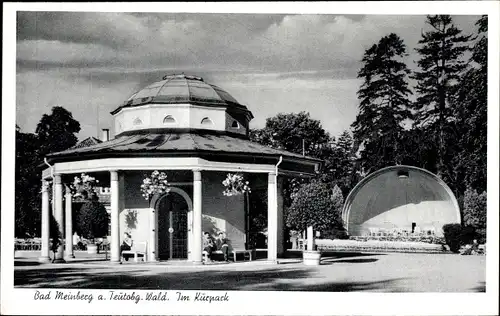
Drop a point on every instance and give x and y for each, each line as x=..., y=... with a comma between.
x=392, y=272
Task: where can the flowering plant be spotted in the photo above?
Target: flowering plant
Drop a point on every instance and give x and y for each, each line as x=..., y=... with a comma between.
x=83, y=185
x=234, y=185
x=155, y=184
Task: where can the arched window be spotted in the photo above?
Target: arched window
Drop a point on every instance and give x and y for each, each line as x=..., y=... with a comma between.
x=207, y=121
x=169, y=119
x=137, y=121
x=235, y=124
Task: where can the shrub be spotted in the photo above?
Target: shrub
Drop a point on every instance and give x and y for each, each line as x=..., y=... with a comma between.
x=55, y=235
x=467, y=235
x=335, y=233
x=452, y=236
x=315, y=205
x=93, y=220
x=474, y=213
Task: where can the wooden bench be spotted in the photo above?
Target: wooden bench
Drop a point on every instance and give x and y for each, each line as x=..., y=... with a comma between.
x=234, y=252
x=236, y=249
x=137, y=249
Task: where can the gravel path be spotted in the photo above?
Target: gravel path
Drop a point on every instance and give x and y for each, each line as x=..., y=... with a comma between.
x=391, y=272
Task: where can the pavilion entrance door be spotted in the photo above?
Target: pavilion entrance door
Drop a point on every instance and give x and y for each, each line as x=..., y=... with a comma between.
x=172, y=227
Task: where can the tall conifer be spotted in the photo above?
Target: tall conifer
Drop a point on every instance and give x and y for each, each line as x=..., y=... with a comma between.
x=441, y=65
x=383, y=103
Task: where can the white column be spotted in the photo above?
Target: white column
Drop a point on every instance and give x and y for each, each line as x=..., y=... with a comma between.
x=310, y=238
x=152, y=234
x=69, y=225
x=197, y=220
x=190, y=235
x=115, y=217
x=45, y=252
x=59, y=215
x=272, y=218
x=280, y=221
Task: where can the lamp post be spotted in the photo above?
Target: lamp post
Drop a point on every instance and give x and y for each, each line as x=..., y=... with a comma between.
x=275, y=136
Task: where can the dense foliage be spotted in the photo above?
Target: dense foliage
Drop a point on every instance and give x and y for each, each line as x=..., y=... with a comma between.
x=441, y=66
x=28, y=186
x=93, y=220
x=315, y=205
x=474, y=213
x=55, y=132
x=55, y=235
x=383, y=104
x=452, y=235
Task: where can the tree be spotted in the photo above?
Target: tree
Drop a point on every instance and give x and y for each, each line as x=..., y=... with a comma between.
x=290, y=132
x=441, y=51
x=93, y=220
x=337, y=230
x=470, y=105
x=339, y=163
x=315, y=205
x=453, y=236
x=55, y=236
x=474, y=212
x=383, y=103
x=56, y=132
x=28, y=185
x=297, y=133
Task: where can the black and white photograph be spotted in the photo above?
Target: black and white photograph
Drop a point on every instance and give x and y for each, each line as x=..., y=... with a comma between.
x=261, y=158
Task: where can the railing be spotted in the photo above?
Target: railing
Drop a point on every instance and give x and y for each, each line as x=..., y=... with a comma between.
x=27, y=245
x=36, y=245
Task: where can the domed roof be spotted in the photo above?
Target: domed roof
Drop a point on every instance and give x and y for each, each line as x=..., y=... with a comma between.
x=173, y=89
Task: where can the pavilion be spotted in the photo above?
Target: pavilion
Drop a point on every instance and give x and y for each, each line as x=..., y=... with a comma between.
x=196, y=133
x=401, y=200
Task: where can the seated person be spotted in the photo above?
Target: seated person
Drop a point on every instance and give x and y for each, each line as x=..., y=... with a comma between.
x=473, y=249
x=127, y=243
x=222, y=245
x=208, y=245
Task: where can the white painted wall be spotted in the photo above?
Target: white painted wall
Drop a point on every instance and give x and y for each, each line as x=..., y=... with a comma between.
x=136, y=222
x=185, y=115
x=134, y=206
x=220, y=213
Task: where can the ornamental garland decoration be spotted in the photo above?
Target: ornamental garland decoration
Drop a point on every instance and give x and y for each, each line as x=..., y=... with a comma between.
x=155, y=184
x=235, y=185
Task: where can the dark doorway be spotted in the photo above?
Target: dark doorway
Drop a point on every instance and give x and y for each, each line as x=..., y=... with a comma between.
x=172, y=227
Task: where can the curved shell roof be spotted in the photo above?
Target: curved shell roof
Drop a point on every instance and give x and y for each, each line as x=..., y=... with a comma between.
x=398, y=197
x=173, y=89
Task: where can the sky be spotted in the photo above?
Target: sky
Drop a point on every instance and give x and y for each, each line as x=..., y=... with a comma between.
x=90, y=62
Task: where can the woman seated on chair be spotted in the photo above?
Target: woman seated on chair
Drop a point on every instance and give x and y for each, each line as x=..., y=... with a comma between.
x=127, y=243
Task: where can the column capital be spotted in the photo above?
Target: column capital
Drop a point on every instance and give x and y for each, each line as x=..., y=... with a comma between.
x=67, y=190
x=45, y=185
x=197, y=174
x=57, y=178
x=271, y=177
x=114, y=175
